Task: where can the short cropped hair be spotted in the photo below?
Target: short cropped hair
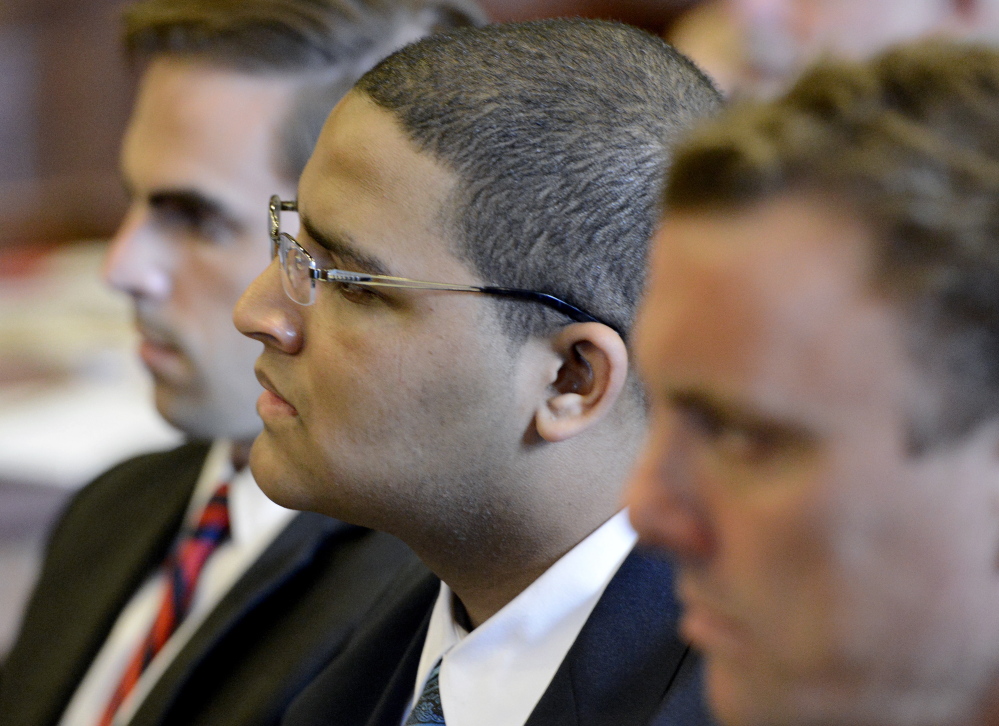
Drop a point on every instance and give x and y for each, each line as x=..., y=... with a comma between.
x=559, y=134
x=329, y=43
x=908, y=142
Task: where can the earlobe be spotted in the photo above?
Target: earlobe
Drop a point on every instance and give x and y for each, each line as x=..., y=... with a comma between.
x=590, y=378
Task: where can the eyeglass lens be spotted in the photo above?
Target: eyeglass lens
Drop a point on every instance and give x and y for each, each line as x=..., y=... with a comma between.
x=295, y=277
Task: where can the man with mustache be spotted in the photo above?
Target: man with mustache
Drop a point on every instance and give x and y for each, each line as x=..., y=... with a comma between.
x=819, y=343
x=445, y=359
x=173, y=590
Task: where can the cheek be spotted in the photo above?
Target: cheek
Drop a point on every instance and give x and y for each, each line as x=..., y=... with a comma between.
x=210, y=280
x=387, y=403
x=921, y=576
x=781, y=556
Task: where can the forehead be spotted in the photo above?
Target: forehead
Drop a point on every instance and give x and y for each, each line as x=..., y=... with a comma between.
x=368, y=184
x=861, y=27
x=771, y=304
x=195, y=125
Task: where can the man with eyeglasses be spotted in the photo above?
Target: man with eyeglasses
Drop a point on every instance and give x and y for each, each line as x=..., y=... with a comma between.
x=445, y=359
x=173, y=590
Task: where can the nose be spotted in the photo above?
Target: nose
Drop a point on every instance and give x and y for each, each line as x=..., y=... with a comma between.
x=137, y=262
x=265, y=313
x=664, y=503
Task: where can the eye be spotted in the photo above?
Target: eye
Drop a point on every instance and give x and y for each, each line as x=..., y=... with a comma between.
x=358, y=294
x=736, y=441
x=193, y=220
x=748, y=443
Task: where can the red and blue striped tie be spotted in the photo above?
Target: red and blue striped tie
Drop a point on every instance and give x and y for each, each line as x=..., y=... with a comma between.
x=182, y=566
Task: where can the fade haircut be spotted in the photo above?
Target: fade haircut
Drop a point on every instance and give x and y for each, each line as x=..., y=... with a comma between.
x=559, y=133
x=908, y=142
x=328, y=43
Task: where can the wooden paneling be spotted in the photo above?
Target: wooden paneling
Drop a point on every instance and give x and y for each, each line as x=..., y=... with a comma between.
x=64, y=98
x=64, y=94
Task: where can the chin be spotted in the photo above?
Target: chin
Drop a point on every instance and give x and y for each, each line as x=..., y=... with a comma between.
x=271, y=473
x=737, y=701
x=187, y=414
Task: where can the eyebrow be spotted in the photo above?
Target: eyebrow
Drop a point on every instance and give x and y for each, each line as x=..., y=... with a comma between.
x=716, y=409
x=342, y=247
x=195, y=204
x=188, y=199
x=700, y=401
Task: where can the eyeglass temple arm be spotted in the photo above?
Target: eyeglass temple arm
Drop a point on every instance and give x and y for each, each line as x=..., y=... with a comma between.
x=571, y=311
x=551, y=301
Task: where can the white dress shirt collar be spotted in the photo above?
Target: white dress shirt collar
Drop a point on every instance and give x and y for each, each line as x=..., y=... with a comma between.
x=495, y=675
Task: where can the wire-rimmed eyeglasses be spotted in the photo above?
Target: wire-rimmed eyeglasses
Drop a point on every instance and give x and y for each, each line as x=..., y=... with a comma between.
x=299, y=274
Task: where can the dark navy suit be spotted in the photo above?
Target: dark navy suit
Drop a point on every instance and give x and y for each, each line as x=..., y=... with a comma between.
x=626, y=667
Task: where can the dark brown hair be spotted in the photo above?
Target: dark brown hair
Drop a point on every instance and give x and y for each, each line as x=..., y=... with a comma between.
x=329, y=43
x=909, y=142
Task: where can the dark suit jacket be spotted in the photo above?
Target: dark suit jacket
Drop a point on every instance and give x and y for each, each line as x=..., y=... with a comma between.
x=626, y=667
x=281, y=623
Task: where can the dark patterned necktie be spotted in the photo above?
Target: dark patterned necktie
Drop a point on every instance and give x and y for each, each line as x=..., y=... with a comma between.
x=428, y=710
x=183, y=566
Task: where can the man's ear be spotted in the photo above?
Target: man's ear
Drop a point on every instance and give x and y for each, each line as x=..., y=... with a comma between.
x=593, y=371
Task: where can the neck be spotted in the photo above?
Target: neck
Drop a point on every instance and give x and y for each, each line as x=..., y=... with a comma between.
x=241, y=454
x=508, y=533
x=487, y=572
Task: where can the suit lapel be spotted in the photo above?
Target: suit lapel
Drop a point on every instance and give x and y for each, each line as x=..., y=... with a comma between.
x=162, y=502
x=371, y=681
x=623, y=663
x=399, y=691
x=291, y=551
x=685, y=704
x=142, y=503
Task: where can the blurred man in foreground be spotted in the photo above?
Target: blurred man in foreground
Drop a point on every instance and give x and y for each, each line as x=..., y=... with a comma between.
x=820, y=342
x=491, y=432
x=173, y=590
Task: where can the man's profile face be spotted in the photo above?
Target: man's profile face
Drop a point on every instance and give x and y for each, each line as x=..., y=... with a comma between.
x=381, y=402
x=782, y=36
x=200, y=160
x=829, y=574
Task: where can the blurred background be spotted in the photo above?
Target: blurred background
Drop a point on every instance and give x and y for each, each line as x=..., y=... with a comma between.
x=73, y=398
